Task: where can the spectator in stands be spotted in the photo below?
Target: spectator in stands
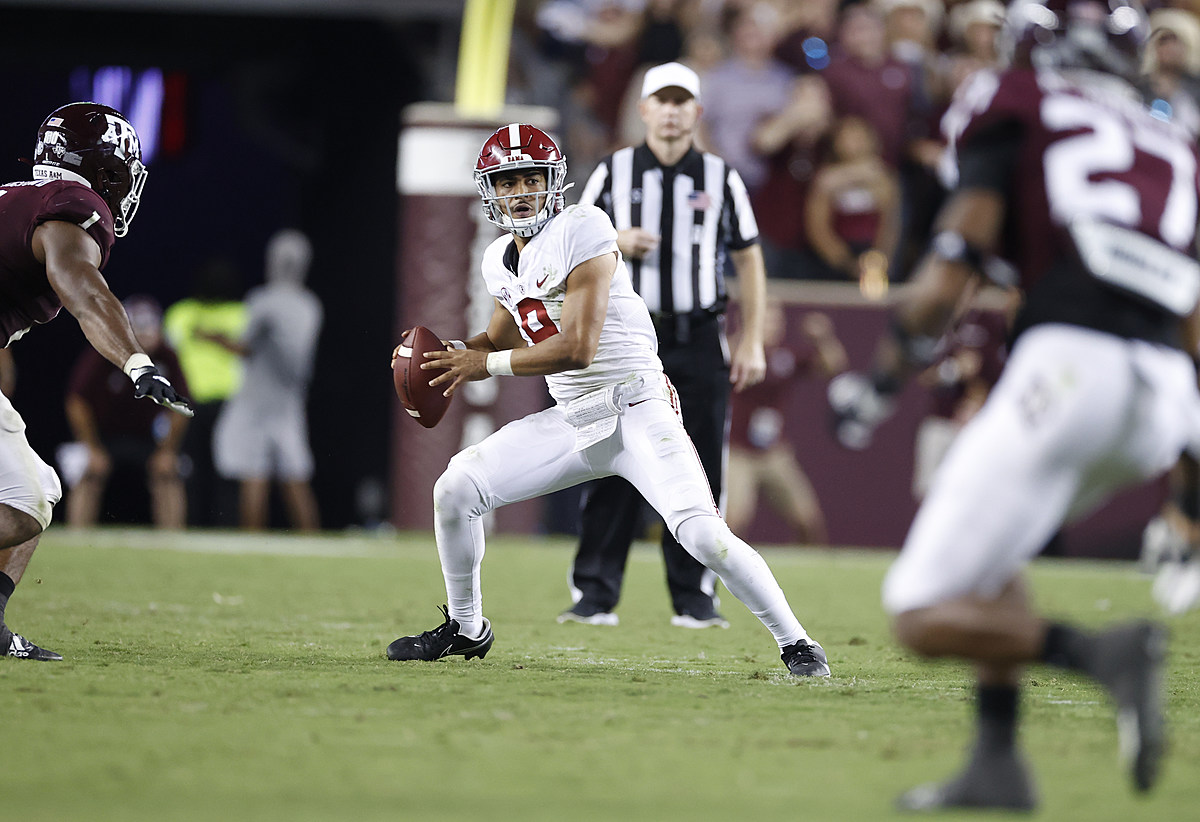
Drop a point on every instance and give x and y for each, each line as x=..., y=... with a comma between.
x=213, y=374
x=744, y=90
x=853, y=204
x=760, y=456
x=912, y=29
x=262, y=433
x=974, y=27
x=806, y=32
x=867, y=81
x=791, y=141
x=1171, y=67
x=118, y=436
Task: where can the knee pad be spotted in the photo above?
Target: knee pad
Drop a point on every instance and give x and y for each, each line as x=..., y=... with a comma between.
x=456, y=494
x=706, y=538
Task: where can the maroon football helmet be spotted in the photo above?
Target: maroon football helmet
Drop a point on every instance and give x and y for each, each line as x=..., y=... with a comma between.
x=1104, y=35
x=95, y=145
x=518, y=146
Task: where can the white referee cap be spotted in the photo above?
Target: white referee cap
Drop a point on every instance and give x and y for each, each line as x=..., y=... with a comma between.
x=671, y=74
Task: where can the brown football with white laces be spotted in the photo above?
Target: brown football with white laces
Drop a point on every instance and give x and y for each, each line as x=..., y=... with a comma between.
x=423, y=402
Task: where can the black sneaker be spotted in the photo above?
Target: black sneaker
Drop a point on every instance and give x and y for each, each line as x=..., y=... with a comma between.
x=999, y=780
x=1130, y=666
x=442, y=641
x=589, y=614
x=805, y=658
x=22, y=648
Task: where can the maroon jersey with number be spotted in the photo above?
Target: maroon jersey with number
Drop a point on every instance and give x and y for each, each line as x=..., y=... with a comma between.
x=26, y=297
x=1101, y=197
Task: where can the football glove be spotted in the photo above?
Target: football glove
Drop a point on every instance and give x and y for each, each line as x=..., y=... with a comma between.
x=858, y=407
x=150, y=383
x=1177, y=585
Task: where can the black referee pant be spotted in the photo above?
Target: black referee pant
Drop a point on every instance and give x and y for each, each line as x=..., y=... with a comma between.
x=694, y=360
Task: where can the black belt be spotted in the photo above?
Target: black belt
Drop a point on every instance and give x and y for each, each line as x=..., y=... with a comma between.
x=676, y=328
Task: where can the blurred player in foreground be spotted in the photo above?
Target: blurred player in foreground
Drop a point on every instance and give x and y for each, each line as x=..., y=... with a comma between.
x=565, y=308
x=56, y=232
x=1062, y=172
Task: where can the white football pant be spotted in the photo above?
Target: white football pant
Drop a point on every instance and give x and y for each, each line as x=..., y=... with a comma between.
x=533, y=456
x=1076, y=416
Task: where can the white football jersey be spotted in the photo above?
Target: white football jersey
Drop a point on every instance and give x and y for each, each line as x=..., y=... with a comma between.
x=534, y=296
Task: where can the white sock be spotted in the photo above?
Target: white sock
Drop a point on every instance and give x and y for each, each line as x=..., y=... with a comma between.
x=745, y=574
x=458, y=529
x=472, y=630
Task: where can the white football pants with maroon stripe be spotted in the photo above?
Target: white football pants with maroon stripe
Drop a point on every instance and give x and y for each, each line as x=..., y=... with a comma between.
x=533, y=456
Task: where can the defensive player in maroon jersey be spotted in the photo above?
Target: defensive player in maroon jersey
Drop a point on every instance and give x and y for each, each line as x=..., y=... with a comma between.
x=56, y=232
x=1062, y=172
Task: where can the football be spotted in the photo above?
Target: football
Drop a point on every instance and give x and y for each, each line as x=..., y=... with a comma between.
x=424, y=403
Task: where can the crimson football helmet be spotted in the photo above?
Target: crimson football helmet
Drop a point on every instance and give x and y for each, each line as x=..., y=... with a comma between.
x=95, y=145
x=1104, y=35
x=518, y=146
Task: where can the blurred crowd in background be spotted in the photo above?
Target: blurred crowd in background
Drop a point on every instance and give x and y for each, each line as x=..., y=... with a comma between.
x=829, y=109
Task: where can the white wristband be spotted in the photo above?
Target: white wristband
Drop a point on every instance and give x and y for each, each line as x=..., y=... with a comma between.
x=135, y=364
x=499, y=363
x=458, y=345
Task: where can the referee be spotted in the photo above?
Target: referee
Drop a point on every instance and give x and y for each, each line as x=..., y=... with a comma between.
x=680, y=214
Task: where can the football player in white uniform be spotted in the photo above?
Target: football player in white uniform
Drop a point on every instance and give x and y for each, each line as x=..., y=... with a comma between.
x=565, y=309
x=1064, y=173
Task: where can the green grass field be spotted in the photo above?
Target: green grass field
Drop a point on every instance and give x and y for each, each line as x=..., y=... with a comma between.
x=214, y=676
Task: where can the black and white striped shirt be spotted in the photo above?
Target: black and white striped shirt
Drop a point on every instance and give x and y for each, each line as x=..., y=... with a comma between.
x=707, y=213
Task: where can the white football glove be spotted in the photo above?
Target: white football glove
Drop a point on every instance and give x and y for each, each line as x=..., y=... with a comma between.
x=1177, y=585
x=858, y=409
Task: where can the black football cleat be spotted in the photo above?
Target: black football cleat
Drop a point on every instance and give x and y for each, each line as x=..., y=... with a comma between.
x=442, y=641
x=997, y=781
x=1130, y=665
x=805, y=657
x=21, y=648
